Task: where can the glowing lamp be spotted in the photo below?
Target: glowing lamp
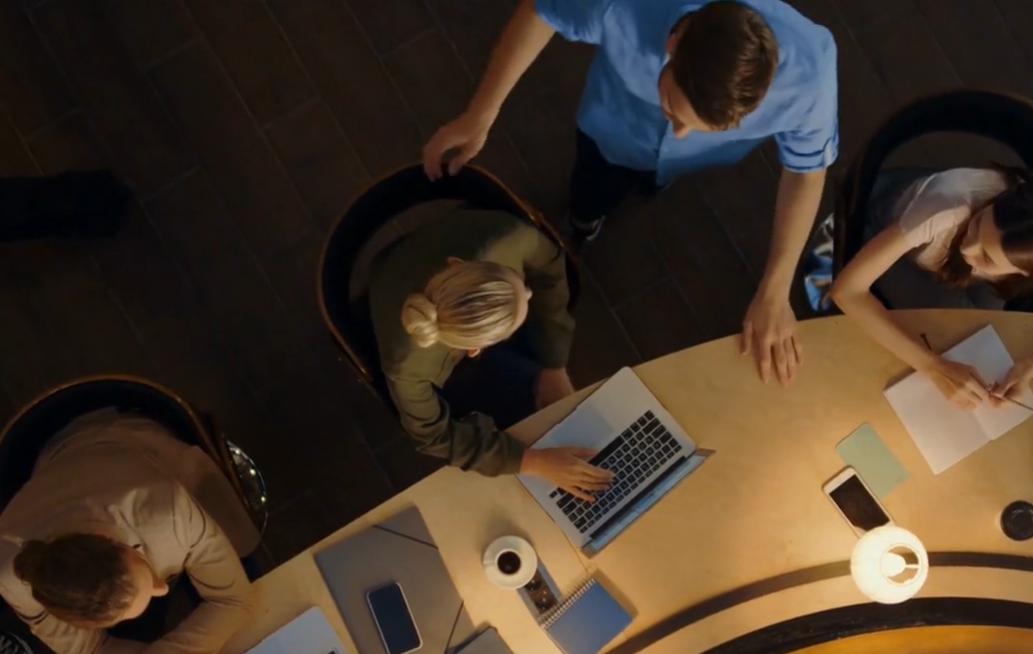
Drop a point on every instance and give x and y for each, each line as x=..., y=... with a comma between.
x=889, y=564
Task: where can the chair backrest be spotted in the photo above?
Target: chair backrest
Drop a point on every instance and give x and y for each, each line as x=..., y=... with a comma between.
x=25, y=435
x=1007, y=119
x=347, y=317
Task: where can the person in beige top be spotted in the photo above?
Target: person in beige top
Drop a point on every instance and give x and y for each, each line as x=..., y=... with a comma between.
x=116, y=509
x=470, y=316
x=961, y=238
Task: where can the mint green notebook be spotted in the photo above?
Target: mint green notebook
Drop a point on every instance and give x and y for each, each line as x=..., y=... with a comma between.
x=873, y=461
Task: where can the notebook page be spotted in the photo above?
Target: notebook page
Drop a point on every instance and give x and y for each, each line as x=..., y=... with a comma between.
x=987, y=353
x=943, y=433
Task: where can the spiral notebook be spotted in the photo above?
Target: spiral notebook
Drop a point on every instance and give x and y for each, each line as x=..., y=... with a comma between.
x=586, y=621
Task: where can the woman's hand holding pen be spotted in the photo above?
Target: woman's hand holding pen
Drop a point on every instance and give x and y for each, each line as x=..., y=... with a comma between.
x=1010, y=388
x=960, y=383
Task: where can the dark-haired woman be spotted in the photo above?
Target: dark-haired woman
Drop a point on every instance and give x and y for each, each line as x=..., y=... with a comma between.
x=954, y=239
x=116, y=508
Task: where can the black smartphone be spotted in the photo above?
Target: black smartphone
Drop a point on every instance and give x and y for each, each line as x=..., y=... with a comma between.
x=856, y=502
x=394, y=619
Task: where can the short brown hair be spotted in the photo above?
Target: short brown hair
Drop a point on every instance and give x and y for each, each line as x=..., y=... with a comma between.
x=81, y=579
x=724, y=61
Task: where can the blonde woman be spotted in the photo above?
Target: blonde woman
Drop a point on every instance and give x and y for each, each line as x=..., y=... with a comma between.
x=470, y=315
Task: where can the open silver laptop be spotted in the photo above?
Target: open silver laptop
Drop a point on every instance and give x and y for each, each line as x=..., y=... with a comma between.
x=309, y=633
x=638, y=441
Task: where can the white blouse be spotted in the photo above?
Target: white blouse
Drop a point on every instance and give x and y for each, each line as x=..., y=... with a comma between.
x=932, y=209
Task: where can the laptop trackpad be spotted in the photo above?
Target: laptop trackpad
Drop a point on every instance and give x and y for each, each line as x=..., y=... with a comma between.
x=586, y=427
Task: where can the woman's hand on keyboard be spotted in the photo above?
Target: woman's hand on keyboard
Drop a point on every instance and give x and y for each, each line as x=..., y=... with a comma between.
x=569, y=469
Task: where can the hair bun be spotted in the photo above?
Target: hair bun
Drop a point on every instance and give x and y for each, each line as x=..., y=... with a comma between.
x=28, y=561
x=420, y=319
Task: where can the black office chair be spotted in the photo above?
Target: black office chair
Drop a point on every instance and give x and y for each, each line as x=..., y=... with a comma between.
x=12, y=643
x=346, y=310
x=25, y=435
x=1007, y=119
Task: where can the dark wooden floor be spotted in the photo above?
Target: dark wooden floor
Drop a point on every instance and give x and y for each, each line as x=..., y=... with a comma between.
x=246, y=126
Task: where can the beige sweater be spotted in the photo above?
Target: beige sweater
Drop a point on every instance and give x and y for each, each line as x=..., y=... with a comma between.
x=127, y=478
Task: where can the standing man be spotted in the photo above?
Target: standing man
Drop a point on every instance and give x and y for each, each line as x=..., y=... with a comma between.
x=678, y=85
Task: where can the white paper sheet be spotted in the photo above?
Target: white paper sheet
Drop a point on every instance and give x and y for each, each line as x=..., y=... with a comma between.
x=944, y=433
x=986, y=352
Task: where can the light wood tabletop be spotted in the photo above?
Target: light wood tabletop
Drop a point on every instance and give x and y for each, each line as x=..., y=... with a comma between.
x=755, y=511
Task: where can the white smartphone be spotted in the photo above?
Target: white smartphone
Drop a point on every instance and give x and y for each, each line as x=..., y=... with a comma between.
x=856, y=502
x=394, y=619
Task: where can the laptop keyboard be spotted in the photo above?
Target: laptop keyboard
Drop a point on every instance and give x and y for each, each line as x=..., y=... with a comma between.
x=640, y=450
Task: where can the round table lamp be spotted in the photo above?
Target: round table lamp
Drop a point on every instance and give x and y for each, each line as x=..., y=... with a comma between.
x=889, y=564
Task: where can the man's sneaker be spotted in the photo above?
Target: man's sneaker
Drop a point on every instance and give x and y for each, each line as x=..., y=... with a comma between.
x=583, y=232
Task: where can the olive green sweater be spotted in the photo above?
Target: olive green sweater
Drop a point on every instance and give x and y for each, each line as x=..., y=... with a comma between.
x=414, y=374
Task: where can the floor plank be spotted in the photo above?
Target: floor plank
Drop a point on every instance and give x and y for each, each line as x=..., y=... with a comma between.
x=389, y=24
x=15, y=158
x=601, y=344
x=324, y=439
x=624, y=260
x=198, y=228
x=747, y=217
x=67, y=278
x=247, y=316
x=432, y=80
x=872, y=14
x=257, y=57
x=403, y=465
x=293, y=276
x=7, y=408
x=352, y=81
x=1019, y=15
x=319, y=160
x=243, y=168
x=32, y=88
x=659, y=321
x=283, y=544
x=714, y=278
x=906, y=55
x=115, y=94
x=34, y=358
x=151, y=30
x=71, y=294
x=981, y=48
x=473, y=26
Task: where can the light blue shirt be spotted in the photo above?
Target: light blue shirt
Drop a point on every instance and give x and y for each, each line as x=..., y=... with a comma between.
x=620, y=105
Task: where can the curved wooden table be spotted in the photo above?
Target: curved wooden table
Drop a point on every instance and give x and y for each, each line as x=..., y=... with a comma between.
x=751, y=514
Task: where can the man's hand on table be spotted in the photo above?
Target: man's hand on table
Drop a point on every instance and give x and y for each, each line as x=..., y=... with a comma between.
x=568, y=468
x=769, y=333
x=553, y=385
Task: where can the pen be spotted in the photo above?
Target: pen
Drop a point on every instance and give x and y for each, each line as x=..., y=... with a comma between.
x=999, y=397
